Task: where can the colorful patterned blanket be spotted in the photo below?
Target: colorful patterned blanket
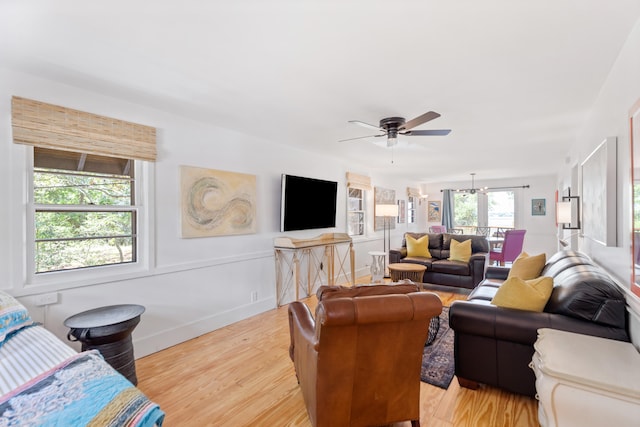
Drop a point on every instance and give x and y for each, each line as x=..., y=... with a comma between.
x=84, y=390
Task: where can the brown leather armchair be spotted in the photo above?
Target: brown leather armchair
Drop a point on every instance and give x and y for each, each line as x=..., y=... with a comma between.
x=358, y=363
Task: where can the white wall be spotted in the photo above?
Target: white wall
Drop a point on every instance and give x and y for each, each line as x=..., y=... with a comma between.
x=609, y=117
x=194, y=285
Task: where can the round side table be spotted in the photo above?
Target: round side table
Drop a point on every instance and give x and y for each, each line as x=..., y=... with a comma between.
x=377, y=266
x=406, y=270
x=108, y=330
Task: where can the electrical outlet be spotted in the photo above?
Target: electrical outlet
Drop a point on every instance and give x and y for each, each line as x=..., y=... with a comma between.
x=254, y=296
x=46, y=299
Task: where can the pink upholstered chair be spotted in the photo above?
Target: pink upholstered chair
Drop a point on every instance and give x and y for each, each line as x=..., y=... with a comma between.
x=511, y=247
x=438, y=229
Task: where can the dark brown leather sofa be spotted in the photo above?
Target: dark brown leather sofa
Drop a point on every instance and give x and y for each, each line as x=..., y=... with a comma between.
x=494, y=345
x=440, y=270
x=358, y=363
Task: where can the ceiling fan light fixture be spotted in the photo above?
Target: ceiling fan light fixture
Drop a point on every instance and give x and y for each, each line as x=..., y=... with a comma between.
x=392, y=137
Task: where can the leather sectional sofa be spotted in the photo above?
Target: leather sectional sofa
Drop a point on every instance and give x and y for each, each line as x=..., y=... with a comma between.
x=440, y=270
x=494, y=345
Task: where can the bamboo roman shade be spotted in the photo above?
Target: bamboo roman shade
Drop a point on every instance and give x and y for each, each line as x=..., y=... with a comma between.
x=413, y=192
x=360, y=182
x=59, y=128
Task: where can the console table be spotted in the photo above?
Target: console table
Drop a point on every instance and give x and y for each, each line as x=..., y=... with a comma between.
x=300, y=263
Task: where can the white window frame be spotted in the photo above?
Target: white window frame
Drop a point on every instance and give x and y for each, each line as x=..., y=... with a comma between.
x=144, y=190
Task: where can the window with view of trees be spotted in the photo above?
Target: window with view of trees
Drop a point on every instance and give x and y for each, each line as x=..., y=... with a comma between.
x=496, y=208
x=355, y=212
x=465, y=212
x=84, y=210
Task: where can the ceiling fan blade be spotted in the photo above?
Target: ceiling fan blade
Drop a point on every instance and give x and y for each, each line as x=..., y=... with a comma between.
x=362, y=137
x=366, y=125
x=419, y=120
x=428, y=132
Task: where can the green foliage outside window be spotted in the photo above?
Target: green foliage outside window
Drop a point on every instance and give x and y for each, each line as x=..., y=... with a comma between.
x=466, y=210
x=82, y=220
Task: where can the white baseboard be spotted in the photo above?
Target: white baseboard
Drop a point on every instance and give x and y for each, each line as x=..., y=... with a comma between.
x=150, y=344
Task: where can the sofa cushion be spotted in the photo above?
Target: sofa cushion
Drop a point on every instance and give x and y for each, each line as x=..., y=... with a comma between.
x=418, y=247
x=530, y=295
x=527, y=267
x=435, y=239
x=586, y=292
x=558, y=265
x=427, y=262
x=450, y=267
x=460, y=251
x=478, y=243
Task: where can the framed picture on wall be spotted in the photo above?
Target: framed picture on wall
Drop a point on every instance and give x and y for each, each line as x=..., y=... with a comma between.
x=599, y=195
x=383, y=196
x=434, y=213
x=402, y=211
x=538, y=206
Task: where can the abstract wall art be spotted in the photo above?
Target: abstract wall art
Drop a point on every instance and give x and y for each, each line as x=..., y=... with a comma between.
x=402, y=211
x=599, y=196
x=434, y=214
x=217, y=203
x=383, y=196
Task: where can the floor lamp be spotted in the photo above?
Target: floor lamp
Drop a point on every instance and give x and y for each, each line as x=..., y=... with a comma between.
x=387, y=211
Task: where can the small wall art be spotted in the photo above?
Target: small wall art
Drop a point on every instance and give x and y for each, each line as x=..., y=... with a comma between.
x=402, y=212
x=434, y=213
x=217, y=203
x=383, y=196
x=538, y=206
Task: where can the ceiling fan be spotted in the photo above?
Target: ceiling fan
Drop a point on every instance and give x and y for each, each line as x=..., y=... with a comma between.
x=391, y=127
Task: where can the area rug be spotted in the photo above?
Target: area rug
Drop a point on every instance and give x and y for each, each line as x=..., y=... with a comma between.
x=437, y=359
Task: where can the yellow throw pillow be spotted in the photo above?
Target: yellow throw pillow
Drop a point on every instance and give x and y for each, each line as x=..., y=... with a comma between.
x=418, y=247
x=527, y=267
x=460, y=251
x=530, y=295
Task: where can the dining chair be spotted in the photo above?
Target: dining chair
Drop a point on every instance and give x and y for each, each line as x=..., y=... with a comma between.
x=511, y=247
x=456, y=231
x=438, y=229
x=501, y=230
x=483, y=231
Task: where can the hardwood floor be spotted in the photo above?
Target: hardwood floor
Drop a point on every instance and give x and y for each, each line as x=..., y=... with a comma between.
x=241, y=375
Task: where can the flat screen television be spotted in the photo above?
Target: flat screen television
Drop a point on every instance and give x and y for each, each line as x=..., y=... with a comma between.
x=307, y=203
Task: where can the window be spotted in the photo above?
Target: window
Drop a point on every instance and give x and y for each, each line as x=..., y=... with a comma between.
x=491, y=209
x=84, y=210
x=501, y=209
x=465, y=212
x=411, y=210
x=355, y=212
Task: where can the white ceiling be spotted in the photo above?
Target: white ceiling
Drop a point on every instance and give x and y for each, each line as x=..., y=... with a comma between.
x=514, y=80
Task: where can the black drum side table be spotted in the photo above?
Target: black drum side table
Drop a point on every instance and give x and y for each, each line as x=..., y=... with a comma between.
x=108, y=330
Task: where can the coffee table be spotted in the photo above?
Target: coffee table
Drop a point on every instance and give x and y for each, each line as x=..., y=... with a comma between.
x=406, y=270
